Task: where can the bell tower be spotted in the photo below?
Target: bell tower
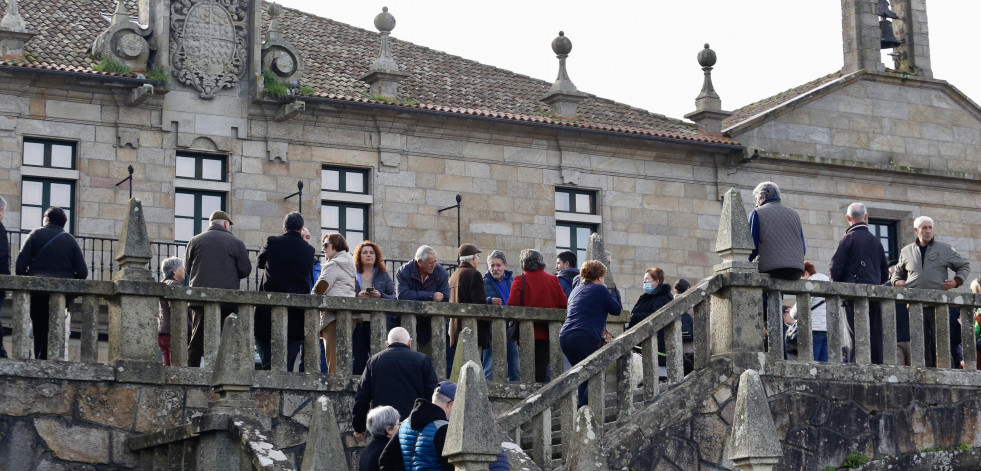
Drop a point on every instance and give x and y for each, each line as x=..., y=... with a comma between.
x=869, y=26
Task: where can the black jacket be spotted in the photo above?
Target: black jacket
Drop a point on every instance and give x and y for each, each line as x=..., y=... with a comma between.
x=859, y=246
x=372, y=452
x=288, y=262
x=4, y=251
x=60, y=259
x=396, y=377
x=423, y=413
x=648, y=304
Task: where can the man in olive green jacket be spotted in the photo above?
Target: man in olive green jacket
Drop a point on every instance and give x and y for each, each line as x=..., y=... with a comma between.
x=923, y=265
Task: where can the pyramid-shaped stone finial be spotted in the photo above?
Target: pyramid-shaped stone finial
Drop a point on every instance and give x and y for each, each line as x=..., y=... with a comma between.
x=753, y=444
x=13, y=34
x=467, y=350
x=734, y=243
x=324, y=449
x=383, y=77
x=595, y=251
x=708, y=112
x=470, y=442
x=133, y=252
x=234, y=368
x=585, y=453
x=563, y=97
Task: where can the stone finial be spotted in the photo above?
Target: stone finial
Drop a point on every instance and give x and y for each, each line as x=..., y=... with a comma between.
x=708, y=112
x=234, y=369
x=278, y=54
x=753, y=444
x=383, y=77
x=13, y=34
x=124, y=41
x=563, y=98
x=861, y=36
x=324, y=449
x=585, y=453
x=734, y=243
x=469, y=437
x=467, y=350
x=133, y=252
x=595, y=251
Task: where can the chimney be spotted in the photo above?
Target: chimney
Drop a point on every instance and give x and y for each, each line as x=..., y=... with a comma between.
x=913, y=54
x=13, y=34
x=708, y=112
x=384, y=75
x=861, y=36
x=563, y=98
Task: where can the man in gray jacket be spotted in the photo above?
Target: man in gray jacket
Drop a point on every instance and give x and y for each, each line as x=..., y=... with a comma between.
x=215, y=259
x=923, y=265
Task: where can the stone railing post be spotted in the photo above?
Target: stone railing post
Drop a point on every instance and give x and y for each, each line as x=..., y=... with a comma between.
x=737, y=312
x=470, y=444
x=133, y=310
x=234, y=371
x=754, y=445
x=467, y=350
x=585, y=453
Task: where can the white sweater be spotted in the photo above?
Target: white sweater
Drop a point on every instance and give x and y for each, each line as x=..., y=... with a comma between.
x=819, y=315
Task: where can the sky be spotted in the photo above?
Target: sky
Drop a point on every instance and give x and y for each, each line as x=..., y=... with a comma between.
x=643, y=53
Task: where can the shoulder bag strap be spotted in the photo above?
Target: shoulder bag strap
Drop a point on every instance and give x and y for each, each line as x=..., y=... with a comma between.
x=49, y=243
x=524, y=286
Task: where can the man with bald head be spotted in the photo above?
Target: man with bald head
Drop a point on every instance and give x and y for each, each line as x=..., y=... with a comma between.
x=396, y=377
x=860, y=258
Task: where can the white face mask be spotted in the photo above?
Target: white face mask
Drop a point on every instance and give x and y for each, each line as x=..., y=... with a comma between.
x=648, y=287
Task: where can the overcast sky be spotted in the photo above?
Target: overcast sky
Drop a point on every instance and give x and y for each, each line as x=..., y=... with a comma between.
x=642, y=53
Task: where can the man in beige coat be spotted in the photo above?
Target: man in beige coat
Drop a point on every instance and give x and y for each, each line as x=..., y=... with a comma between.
x=923, y=265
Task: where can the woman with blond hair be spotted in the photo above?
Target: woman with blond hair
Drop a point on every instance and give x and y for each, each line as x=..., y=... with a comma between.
x=337, y=278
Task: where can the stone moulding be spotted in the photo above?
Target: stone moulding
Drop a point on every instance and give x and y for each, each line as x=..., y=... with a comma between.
x=209, y=43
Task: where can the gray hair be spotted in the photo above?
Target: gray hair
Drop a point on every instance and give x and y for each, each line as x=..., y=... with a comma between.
x=498, y=255
x=767, y=190
x=921, y=220
x=399, y=334
x=531, y=260
x=168, y=266
x=423, y=253
x=441, y=399
x=3, y=203
x=468, y=258
x=380, y=418
x=856, y=211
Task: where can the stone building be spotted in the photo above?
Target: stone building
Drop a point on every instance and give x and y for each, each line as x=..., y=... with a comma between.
x=232, y=106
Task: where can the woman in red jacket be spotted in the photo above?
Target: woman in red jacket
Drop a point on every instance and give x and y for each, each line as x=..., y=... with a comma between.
x=537, y=288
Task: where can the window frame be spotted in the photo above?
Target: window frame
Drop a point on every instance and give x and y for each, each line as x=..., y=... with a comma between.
x=198, y=216
x=342, y=181
x=199, y=159
x=892, y=240
x=572, y=192
x=46, y=199
x=342, y=219
x=573, y=226
x=46, y=159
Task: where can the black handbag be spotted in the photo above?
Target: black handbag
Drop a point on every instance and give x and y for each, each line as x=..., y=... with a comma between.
x=514, y=333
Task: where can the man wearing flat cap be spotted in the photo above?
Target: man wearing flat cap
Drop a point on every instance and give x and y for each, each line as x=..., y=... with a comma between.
x=467, y=287
x=215, y=259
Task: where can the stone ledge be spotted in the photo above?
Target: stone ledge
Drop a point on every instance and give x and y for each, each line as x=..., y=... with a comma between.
x=56, y=369
x=875, y=374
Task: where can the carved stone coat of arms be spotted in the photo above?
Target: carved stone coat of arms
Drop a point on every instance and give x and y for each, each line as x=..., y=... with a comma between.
x=209, y=43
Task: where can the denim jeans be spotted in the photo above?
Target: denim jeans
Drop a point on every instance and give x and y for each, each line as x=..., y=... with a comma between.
x=488, y=364
x=514, y=363
x=820, y=342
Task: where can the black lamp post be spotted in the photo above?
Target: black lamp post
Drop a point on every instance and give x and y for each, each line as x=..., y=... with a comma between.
x=128, y=179
x=299, y=193
x=457, y=206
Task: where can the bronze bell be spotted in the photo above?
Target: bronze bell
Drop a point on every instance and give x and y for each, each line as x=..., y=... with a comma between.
x=888, y=40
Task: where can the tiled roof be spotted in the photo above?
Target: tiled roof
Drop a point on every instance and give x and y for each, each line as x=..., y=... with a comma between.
x=748, y=111
x=336, y=55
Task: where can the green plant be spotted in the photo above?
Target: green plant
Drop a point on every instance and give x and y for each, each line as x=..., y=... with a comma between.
x=156, y=74
x=829, y=468
x=855, y=460
x=964, y=447
x=401, y=101
x=273, y=86
x=307, y=90
x=112, y=66
x=933, y=449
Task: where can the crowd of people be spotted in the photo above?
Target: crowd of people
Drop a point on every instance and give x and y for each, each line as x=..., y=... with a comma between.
x=399, y=400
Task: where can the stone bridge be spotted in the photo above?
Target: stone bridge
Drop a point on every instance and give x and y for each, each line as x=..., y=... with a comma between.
x=741, y=406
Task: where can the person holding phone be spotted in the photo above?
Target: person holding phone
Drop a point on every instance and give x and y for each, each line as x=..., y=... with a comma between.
x=371, y=281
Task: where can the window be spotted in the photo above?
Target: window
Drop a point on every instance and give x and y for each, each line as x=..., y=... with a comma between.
x=192, y=208
x=48, y=153
x=201, y=167
x=345, y=203
x=38, y=194
x=575, y=201
x=576, y=219
x=885, y=231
